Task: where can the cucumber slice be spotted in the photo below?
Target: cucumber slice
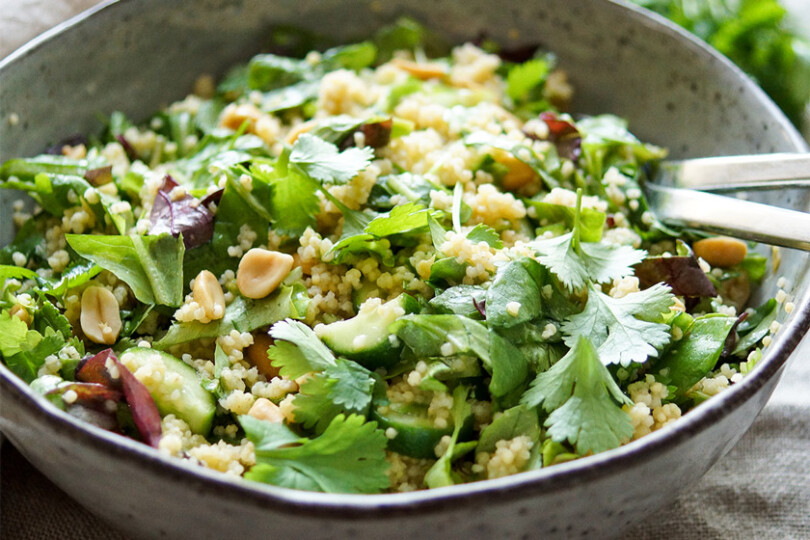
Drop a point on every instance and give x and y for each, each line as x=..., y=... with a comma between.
x=365, y=337
x=367, y=290
x=176, y=390
x=416, y=435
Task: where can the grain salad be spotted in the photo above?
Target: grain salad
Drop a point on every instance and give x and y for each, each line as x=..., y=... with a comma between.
x=378, y=267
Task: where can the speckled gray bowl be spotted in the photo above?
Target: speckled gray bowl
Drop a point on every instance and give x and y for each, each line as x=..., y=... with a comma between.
x=136, y=55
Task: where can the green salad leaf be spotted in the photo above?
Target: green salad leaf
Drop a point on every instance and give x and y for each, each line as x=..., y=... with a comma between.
x=348, y=457
x=336, y=386
x=622, y=329
x=322, y=160
x=148, y=264
x=584, y=401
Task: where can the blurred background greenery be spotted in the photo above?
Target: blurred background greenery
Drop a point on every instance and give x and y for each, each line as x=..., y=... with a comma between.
x=769, y=39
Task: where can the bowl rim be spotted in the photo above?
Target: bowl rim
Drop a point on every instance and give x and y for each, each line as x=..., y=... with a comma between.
x=392, y=505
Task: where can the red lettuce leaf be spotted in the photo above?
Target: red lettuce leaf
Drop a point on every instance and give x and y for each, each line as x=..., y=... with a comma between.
x=682, y=274
x=564, y=135
x=89, y=394
x=376, y=134
x=187, y=216
x=145, y=415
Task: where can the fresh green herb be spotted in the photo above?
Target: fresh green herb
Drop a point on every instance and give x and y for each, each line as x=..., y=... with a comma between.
x=623, y=330
x=148, y=264
x=576, y=262
x=584, y=401
x=348, y=457
x=337, y=386
x=757, y=36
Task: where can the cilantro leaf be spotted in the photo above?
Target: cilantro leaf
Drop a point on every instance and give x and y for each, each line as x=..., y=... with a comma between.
x=406, y=219
x=313, y=355
x=486, y=234
x=293, y=202
x=344, y=387
x=24, y=350
x=426, y=334
x=13, y=332
x=348, y=457
x=582, y=397
x=575, y=264
x=322, y=160
x=619, y=327
x=592, y=221
x=401, y=219
x=338, y=386
x=525, y=77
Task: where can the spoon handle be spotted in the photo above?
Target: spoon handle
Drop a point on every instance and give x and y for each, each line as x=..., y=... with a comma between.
x=728, y=173
x=733, y=217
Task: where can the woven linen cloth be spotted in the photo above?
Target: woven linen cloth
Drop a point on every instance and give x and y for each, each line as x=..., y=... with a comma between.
x=761, y=489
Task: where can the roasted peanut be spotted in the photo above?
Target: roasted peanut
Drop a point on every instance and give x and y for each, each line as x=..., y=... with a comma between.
x=261, y=271
x=207, y=292
x=19, y=311
x=419, y=70
x=100, y=319
x=74, y=152
x=264, y=409
x=233, y=116
x=721, y=251
x=301, y=128
x=256, y=354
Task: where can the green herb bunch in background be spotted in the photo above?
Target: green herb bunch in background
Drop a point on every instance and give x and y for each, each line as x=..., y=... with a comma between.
x=758, y=37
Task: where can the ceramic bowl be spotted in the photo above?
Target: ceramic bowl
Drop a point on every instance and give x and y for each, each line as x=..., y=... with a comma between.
x=136, y=55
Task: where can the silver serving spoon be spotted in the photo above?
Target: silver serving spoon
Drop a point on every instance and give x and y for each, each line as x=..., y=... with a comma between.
x=727, y=215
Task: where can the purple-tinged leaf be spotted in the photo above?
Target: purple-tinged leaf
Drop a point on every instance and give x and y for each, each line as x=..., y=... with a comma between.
x=557, y=128
x=376, y=134
x=99, y=176
x=87, y=393
x=104, y=369
x=73, y=140
x=481, y=307
x=132, y=154
x=185, y=215
x=564, y=135
x=682, y=274
x=144, y=411
x=733, y=337
x=93, y=369
x=213, y=197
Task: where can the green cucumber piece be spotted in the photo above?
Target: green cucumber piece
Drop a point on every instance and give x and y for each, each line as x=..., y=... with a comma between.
x=177, y=391
x=416, y=435
x=365, y=337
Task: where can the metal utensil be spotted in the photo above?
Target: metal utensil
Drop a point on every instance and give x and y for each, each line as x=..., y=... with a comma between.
x=733, y=173
x=727, y=215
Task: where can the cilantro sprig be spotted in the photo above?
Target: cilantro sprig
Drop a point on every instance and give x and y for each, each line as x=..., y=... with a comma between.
x=584, y=401
x=348, y=457
x=337, y=386
x=622, y=329
x=576, y=262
